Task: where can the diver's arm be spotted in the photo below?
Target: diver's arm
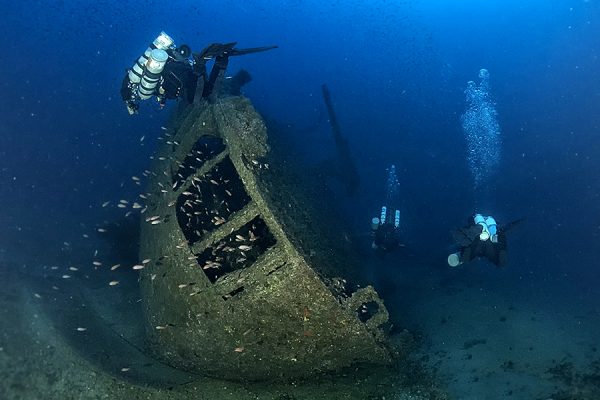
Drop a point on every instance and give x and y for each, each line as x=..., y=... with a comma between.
x=128, y=96
x=126, y=90
x=512, y=224
x=464, y=237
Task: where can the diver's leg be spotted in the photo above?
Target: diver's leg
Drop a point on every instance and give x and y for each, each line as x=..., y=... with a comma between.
x=200, y=70
x=502, y=258
x=217, y=73
x=466, y=255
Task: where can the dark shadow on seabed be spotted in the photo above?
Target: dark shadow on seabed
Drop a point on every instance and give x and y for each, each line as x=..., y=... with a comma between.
x=103, y=325
x=44, y=355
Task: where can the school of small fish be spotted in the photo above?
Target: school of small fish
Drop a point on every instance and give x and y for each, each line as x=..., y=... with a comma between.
x=205, y=201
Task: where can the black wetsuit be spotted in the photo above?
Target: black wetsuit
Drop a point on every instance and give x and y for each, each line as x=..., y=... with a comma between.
x=471, y=247
x=179, y=79
x=386, y=237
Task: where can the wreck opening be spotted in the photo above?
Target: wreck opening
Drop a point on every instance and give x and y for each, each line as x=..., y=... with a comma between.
x=238, y=250
x=210, y=200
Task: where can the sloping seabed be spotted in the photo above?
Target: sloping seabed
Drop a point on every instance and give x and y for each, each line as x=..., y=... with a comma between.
x=43, y=354
x=504, y=339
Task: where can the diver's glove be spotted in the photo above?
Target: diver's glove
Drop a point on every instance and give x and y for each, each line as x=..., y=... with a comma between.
x=132, y=108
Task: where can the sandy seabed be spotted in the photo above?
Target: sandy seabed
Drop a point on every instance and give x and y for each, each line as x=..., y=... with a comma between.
x=61, y=339
x=491, y=334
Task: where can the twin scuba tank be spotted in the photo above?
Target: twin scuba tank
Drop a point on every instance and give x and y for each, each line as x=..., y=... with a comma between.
x=489, y=229
x=145, y=73
x=376, y=222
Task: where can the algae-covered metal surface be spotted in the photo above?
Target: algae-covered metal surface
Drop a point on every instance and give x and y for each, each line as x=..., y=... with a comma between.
x=226, y=289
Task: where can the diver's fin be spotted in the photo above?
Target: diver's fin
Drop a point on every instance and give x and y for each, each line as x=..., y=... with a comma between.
x=235, y=84
x=227, y=49
x=512, y=224
x=216, y=49
x=241, y=52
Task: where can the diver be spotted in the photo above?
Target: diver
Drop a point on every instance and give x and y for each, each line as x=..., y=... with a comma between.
x=170, y=72
x=482, y=237
x=386, y=235
x=386, y=231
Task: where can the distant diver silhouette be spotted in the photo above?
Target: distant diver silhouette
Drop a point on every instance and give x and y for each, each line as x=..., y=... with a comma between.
x=386, y=229
x=481, y=238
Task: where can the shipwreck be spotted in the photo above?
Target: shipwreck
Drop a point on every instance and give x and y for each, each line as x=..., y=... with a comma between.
x=243, y=279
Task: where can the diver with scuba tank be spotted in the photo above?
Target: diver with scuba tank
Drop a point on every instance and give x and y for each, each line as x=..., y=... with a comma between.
x=386, y=228
x=481, y=237
x=170, y=72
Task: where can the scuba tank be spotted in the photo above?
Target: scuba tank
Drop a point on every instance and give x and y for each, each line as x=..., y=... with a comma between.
x=492, y=229
x=383, y=214
x=374, y=223
x=162, y=42
x=480, y=220
x=153, y=69
x=397, y=219
x=489, y=228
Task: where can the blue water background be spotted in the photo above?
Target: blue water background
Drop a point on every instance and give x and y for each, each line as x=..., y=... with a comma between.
x=397, y=71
